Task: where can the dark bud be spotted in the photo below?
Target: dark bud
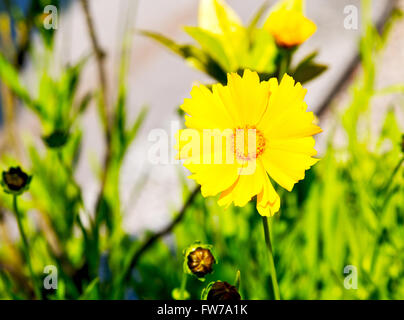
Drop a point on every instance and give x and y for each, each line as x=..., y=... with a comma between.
x=56, y=139
x=15, y=181
x=200, y=262
x=223, y=291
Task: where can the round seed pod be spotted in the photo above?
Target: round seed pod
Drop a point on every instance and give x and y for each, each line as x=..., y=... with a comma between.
x=15, y=181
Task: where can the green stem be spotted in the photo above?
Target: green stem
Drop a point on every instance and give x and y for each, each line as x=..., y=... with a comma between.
x=386, y=189
x=284, y=64
x=393, y=174
x=25, y=247
x=183, y=285
x=70, y=176
x=237, y=281
x=275, y=285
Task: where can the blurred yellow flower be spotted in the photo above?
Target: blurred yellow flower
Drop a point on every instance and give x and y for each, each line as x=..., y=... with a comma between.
x=279, y=142
x=218, y=17
x=234, y=46
x=289, y=27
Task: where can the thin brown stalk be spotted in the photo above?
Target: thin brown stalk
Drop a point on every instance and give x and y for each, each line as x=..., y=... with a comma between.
x=105, y=112
x=153, y=238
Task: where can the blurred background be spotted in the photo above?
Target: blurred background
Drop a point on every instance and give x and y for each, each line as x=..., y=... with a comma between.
x=160, y=80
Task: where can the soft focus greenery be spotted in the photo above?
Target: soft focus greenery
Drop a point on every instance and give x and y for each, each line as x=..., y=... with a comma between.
x=349, y=210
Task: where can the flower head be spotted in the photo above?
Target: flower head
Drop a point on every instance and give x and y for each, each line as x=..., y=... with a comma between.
x=289, y=27
x=218, y=17
x=15, y=181
x=56, y=139
x=221, y=291
x=258, y=129
x=199, y=260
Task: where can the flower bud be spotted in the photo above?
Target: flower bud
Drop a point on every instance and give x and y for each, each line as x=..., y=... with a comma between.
x=15, y=181
x=289, y=28
x=56, y=139
x=222, y=291
x=200, y=262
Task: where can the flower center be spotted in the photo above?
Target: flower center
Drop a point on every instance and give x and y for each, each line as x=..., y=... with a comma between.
x=249, y=143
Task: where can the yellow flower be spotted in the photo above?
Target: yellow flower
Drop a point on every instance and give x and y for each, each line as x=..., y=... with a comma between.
x=279, y=141
x=218, y=17
x=289, y=27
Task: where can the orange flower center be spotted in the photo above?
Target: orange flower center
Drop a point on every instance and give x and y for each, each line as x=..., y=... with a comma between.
x=249, y=143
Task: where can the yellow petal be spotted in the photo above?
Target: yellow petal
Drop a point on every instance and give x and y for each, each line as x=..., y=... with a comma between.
x=286, y=115
x=245, y=187
x=292, y=124
x=268, y=201
x=248, y=96
x=214, y=178
x=285, y=167
x=200, y=108
x=284, y=97
x=303, y=145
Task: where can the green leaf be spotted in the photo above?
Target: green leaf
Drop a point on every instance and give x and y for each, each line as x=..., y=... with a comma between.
x=307, y=70
x=131, y=135
x=391, y=128
x=395, y=16
x=84, y=103
x=309, y=73
x=193, y=55
x=398, y=88
x=70, y=78
x=308, y=59
x=257, y=17
x=9, y=75
x=120, y=125
x=262, y=54
x=91, y=292
x=210, y=44
x=183, y=51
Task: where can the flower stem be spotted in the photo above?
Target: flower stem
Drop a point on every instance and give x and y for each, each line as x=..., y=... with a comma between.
x=284, y=65
x=25, y=247
x=393, y=174
x=275, y=285
x=183, y=285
